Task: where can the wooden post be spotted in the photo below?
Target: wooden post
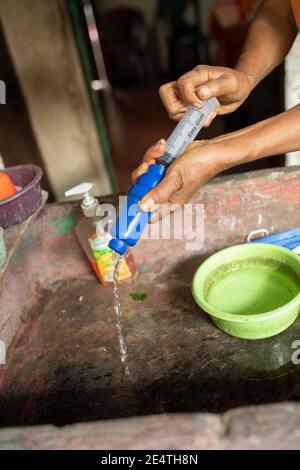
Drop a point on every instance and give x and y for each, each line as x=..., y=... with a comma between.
x=41, y=43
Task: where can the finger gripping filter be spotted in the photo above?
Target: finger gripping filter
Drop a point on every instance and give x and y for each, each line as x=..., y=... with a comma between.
x=132, y=220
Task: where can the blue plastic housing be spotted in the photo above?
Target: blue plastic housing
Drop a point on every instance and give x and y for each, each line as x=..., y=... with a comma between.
x=289, y=239
x=132, y=220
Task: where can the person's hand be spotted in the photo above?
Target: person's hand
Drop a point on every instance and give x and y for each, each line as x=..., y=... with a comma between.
x=231, y=87
x=183, y=179
x=153, y=152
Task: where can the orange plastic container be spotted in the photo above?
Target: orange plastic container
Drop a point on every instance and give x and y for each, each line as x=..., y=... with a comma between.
x=26, y=199
x=7, y=188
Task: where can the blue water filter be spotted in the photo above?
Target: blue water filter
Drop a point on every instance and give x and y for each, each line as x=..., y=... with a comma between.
x=132, y=220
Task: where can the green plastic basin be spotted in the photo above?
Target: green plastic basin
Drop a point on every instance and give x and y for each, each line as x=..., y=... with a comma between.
x=251, y=291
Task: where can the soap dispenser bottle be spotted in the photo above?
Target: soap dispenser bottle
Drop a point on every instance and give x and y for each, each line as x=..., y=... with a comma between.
x=94, y=240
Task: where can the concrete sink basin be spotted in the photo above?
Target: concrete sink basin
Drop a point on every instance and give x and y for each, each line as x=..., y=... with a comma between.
x=63, y=363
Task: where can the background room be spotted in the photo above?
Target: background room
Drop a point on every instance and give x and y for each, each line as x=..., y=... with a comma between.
x=96, y=68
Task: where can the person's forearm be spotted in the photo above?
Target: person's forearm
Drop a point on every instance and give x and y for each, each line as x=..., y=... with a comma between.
x=270, y=38
x=277, y=135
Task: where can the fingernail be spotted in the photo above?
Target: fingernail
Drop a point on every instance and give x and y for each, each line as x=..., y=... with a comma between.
x=197, y=104
x=140, y=168
x=159, y=144
x=148, y=205
x=204, y=91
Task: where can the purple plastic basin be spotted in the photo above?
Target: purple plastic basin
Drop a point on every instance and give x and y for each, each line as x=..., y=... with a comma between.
x=26, y=201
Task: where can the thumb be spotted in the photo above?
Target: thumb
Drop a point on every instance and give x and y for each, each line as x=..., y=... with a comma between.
x=155, y=150
x=171, y=183
x=218, y=87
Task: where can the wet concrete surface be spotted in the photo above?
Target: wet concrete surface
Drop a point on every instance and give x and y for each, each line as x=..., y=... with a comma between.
x=64, y=364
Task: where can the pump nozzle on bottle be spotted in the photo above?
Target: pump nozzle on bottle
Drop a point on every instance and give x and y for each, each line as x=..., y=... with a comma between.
x=89, y=203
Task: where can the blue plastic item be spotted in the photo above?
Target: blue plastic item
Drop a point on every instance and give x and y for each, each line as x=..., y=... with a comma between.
x=289, y=239
x=132, y=220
